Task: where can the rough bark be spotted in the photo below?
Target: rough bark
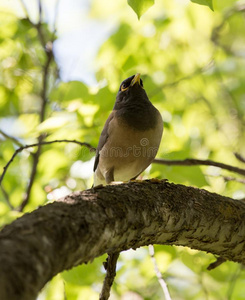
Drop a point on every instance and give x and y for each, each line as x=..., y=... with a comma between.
x=87, y=224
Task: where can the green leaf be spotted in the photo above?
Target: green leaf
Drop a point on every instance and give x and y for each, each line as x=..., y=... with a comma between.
x=208, y=3
x=140, y=6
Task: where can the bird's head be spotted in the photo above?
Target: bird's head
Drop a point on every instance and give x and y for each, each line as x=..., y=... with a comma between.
x=131, y=91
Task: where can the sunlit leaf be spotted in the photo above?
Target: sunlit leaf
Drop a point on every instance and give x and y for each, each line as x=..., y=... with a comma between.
x=140, y=6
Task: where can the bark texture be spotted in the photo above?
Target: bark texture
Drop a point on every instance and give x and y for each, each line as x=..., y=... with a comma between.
x=87, y=224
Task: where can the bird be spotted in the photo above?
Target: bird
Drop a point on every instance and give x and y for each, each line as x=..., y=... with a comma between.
x=131, y=135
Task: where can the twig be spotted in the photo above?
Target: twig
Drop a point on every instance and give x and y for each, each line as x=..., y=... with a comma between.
x=218, y=262
x=228, y=178
x=25, y=9
x=239, y=157
x=110, y=267
x=158, y=273
x=40, y=11
x=36, y=25
x=6, y=197
x=48, y=49
x=238, y=7
x=10, y=138
x=33, y=175
x=92, y=149
x=55, y=19
x=194, y=162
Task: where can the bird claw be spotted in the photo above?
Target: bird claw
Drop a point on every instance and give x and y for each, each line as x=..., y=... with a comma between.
x=156, y=180
x=116, y=182
x=135, y=180
x=99, y=186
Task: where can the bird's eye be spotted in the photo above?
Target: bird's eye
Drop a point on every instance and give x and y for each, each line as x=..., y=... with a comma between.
x=124, y=87
x=141, y=83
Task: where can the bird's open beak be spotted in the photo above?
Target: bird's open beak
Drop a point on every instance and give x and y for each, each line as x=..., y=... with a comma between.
x=135, y=79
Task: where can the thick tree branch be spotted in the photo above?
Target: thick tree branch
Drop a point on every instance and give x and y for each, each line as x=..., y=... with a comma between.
x=87, y=224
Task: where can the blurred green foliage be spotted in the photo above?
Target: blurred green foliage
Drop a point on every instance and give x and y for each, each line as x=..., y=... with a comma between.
x=192, y=62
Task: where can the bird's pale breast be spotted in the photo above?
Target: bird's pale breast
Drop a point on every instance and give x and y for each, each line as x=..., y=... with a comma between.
x=129, y=151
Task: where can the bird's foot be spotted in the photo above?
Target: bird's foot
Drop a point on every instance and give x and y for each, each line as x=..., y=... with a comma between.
x=156, y=180
x=99, y=186
x=135, y=180
x=116, y=182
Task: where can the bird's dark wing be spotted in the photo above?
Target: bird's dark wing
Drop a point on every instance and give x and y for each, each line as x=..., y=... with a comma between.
x=103, y=138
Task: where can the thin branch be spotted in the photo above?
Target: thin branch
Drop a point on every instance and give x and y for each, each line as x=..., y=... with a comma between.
x=6, y=197
x=35, y=25
x=92, y=149
x=40, y=11
x=237, y=8
x=110, y=267
x=55, y=19
x=33, y=175
x=228, y=178
x=10, y=138
x=220, y=260
x=195, y=162
x=49, y=52
x=158, y=273
x=25, y=10
x=239, y=157
x=48, y=49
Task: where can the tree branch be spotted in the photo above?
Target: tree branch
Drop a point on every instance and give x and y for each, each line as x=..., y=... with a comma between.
x=161, y=281
x=14, y=139
x=238, y=7
x=228, y=178
x=92, y=149
x=35, y=25
x=6, y=197
x=87, y=224
x=110, y=267
x=217, y=263
x=48, y=49
x=239, y=157
x=33, y=175
x=194, y=162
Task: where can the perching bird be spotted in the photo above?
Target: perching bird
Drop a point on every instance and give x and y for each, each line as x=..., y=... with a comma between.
x=131, y=136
